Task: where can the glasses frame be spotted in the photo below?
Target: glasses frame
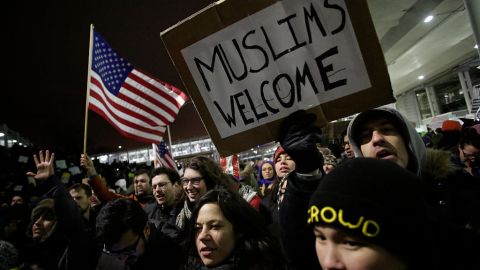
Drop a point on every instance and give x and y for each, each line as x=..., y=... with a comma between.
x=194, y=181
x=162, y=185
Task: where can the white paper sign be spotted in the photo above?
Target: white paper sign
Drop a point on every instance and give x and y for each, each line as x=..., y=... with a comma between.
x=74, y=170
x=294, y=54
x=61, y=164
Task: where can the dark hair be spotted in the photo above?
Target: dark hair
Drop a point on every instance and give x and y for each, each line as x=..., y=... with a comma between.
x=79, y=186
x=141, y=171
x=211, y=172
x=255, y=247
x=172, y=175
x=46, y=209
x=117, y=217
x=260, y=166
x=470, y=137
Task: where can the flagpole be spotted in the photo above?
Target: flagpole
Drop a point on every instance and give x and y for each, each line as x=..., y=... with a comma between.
x=88, y=89
x=169, y=140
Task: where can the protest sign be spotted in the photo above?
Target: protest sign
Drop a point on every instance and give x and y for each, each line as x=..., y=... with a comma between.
x=248, y=64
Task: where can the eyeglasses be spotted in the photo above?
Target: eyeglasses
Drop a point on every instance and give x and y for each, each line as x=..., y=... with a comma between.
x=195, y=181
x=161, y=185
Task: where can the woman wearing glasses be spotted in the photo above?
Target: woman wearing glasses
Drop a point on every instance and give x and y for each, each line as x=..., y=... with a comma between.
x=227, y=233
x=201, y=175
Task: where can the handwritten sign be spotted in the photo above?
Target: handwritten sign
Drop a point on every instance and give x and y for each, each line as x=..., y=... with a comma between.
x=291, y=55
x=248, y=64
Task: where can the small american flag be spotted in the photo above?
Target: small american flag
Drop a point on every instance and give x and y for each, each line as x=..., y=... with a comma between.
x=136, y=104
x=163, y=157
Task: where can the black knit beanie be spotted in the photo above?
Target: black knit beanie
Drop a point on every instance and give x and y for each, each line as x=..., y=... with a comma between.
x=376, y=200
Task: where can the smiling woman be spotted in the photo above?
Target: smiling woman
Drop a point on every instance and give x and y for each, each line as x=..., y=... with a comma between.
x=227, y=233
x=201, y=175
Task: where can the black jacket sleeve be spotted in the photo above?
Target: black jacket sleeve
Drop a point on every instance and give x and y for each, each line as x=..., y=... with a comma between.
x=297, y=238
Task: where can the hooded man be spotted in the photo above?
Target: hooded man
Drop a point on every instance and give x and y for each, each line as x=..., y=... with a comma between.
x=385, y=134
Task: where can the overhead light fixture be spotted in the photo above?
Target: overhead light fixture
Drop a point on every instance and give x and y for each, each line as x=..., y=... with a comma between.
x=476, y=46
x=119, y=147
x=421, y=77
x=428, y=19
x=2, y=134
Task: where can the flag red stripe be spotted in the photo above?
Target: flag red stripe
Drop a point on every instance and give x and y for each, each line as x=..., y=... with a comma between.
x=138, y=105
x=168, y=163
x=169, y=160
x=124, y=121
x=177, y=91
x=154, y=88
x=143, y=95
x=123, y=132
x=128, y=99
x=120, y=107
x=166, y=160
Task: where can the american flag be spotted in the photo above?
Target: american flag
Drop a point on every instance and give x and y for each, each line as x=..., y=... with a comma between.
x=136, y=104
x=162, y=156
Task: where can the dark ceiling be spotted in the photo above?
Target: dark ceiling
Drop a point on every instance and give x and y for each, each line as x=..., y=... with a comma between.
x=46, y=67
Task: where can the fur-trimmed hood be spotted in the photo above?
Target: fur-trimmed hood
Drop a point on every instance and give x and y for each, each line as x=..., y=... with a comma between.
x=438, y=164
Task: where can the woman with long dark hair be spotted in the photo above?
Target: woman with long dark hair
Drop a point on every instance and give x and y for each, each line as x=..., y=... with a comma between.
x=201, y=175
x=227, y=233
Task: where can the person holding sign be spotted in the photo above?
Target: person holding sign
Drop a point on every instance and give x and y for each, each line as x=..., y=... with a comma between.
x=344, y=236
x=298, y=138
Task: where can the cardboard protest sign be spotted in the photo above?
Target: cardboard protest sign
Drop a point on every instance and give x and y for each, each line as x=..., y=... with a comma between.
x=248, y=64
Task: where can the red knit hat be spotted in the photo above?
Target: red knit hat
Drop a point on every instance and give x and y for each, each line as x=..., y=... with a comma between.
x=451, y=125
x=278, y=152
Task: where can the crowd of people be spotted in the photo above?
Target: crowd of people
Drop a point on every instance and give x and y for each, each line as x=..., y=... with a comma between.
x=394, y=199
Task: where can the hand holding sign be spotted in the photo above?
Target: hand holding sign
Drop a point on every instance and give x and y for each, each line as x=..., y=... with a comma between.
x=298, y=136
x=249, y=65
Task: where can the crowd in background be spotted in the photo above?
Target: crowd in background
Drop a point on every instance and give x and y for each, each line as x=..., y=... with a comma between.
x=287, y=212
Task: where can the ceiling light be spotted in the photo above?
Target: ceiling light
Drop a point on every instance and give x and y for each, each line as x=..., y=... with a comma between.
x=476, y=46
x=428, y=19
x=421, y=77
x=2, y=134
x=119, y=147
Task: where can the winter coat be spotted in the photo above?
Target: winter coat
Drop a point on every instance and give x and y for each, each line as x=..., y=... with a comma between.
x=164, y=218
x=68, y=247
x=454, y=200
x=297, y=238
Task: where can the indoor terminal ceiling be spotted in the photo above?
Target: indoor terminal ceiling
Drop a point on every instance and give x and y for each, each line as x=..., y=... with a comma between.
x=413, y=48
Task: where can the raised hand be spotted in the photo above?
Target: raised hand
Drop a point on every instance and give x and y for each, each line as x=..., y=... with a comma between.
x=298, y=135
x=87, y=164
x=44, y=165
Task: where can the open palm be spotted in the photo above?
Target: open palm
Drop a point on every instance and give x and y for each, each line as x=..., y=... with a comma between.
x=44, y=164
